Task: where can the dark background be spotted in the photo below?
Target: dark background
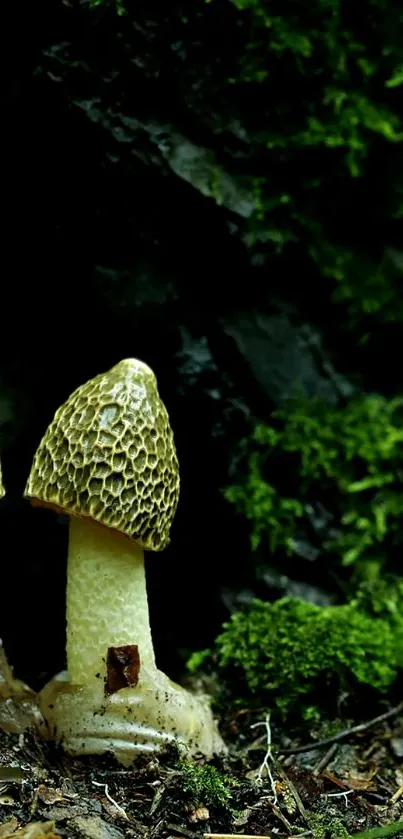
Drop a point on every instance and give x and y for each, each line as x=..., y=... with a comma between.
x=118, y=243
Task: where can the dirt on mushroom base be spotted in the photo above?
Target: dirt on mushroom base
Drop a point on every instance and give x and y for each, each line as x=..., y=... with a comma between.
x=329, y=793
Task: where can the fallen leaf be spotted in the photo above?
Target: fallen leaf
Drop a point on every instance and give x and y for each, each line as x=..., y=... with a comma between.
x=8, y=828
x=353, y=783
x=49, y=796
x=201, y=814
x=34, y=830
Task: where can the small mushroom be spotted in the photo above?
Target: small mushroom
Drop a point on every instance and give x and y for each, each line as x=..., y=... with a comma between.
x=108, y=460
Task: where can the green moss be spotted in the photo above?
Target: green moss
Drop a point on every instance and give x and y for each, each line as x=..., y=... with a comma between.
x=381, y=597
x=324, y=827
x=205, y=785
x=290, y=653
x=198, y=660
x=349, y=457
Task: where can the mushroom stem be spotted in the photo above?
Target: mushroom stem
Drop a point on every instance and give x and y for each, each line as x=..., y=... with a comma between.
x=107, y=602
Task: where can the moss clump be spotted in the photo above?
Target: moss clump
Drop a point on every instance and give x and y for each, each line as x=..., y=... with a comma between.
x=294, y=654
x=324, y=827
x=381, y=597
x=349, y=457
x=205, y=785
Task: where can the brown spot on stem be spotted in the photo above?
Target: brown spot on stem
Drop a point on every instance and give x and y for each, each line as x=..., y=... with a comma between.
x=122, y=668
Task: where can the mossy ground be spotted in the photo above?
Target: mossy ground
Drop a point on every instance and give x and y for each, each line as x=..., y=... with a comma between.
x=263, y=787
x=323, y=794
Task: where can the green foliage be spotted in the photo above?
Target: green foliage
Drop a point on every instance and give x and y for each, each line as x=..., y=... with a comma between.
x=117, y=5
x=369, y=291
x=349, y=457
x=347, y=113
x=205, y=785
x=304, y=111
x=338, y=104
x=291, y=652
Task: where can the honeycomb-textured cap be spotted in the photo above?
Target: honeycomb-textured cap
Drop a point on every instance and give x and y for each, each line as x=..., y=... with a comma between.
x=109, y=453
x=2, y=490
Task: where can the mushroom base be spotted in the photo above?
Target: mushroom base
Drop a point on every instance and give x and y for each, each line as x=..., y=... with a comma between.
x=131, y=722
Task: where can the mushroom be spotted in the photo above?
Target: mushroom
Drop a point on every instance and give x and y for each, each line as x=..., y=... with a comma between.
x=108, y=460
x=2, y=490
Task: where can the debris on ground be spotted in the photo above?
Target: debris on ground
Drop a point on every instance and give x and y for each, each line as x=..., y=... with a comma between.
x=271, y=783
x=18, y=703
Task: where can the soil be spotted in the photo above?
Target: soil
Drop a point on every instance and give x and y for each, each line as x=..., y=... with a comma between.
x=356, y=783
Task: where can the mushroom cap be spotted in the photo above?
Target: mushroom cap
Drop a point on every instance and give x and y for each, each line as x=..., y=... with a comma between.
x=2, y=490
x=109, y=454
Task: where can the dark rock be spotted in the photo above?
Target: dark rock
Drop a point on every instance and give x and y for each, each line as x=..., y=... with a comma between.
x=94, y=828
x=284, y=358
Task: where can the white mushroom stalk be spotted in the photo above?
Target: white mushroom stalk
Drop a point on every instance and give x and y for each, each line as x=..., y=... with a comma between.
x=108, y=460
x=111, y=568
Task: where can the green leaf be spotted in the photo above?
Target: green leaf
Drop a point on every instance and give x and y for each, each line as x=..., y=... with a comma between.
x=397, y=79
x=380, y=832
x=371, y=482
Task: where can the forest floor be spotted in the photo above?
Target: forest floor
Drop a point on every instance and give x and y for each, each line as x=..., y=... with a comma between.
x=331, y=791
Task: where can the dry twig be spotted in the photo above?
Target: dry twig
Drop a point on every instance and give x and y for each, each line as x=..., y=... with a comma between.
x=297, y=798
x=342, y=735
x=325, y=759
x=397, y=795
